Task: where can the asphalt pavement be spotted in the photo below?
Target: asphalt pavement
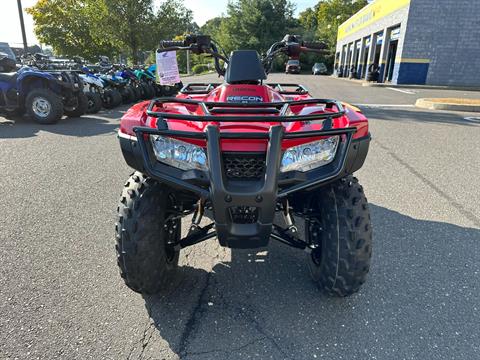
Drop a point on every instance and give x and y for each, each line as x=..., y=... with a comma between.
x=61, y=296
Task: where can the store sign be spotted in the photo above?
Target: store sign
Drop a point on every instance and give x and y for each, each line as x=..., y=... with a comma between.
x=370, y=14
x=380, y=39
x=395, y=34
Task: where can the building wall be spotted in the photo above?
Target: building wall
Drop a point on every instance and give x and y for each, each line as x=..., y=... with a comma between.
x=439, y=42
x=397, y=17
x=442, y=42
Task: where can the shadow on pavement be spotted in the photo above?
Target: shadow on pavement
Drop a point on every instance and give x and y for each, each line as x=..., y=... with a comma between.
x=418, y=115
x=87, y=125
x=422, y=292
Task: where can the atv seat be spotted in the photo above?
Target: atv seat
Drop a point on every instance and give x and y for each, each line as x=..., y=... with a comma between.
x=245, y=66
x=10, y=78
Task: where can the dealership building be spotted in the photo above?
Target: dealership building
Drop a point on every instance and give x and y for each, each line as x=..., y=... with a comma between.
x=433, y=42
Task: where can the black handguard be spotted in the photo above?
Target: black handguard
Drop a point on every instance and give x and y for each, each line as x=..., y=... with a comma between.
x=315, y=45
x=171, y=43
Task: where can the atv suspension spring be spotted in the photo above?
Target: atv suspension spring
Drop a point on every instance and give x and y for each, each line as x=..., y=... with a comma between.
x=291, y=228
x=197, y=215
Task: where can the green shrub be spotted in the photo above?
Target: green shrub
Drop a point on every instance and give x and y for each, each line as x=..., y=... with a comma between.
x=200, y=68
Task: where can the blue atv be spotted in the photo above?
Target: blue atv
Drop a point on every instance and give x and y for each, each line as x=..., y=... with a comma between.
x=45, y=96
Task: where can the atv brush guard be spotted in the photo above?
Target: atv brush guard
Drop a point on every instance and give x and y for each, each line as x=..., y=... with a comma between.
x=259, y=196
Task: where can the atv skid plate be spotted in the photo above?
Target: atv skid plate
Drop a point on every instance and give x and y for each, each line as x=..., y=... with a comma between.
x=258, y=197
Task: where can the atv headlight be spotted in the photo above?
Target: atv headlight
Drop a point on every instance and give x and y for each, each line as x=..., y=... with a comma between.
x=310, y=156
x=178, y=153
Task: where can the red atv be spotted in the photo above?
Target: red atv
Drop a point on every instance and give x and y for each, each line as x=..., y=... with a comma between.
x=262, y=161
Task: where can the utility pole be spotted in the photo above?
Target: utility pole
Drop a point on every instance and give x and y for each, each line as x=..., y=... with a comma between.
x=188, y=53
x=22, y=24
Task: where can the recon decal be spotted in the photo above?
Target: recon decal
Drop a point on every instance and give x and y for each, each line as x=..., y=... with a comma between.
x=244, y=99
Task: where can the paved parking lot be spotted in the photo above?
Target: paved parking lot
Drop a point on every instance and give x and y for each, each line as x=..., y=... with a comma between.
x=61, y=295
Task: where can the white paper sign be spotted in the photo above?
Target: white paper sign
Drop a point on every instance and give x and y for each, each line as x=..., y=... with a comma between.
x=167, y=68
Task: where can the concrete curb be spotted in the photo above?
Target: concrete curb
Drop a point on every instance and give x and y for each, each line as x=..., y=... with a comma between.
x=426, y=87
x=436, y=104
x=413, y=87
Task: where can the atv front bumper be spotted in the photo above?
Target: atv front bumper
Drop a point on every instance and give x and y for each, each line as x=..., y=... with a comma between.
x=260, y=196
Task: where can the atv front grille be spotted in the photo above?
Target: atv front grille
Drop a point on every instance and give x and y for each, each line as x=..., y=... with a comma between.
x=244, y=166
x=244, y=214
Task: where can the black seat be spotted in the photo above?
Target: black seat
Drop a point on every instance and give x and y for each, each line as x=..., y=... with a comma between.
x=245, y=66
x=9, y=77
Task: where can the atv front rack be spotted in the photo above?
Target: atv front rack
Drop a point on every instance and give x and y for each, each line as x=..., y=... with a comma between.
x=225, y=194
x=205, y=88
x=68, y=78
x=282, y=88
x=198, y=88
x=280, y=109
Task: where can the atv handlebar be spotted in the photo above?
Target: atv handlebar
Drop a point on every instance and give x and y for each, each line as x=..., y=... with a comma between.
x=198, y=44
x=291, y=45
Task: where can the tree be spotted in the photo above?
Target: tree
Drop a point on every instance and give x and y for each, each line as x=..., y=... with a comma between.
x=90, y=28
x=255, y=24
x=128, y=23
x=309, y=23
x=213, y=27
x=330, y=14
x=173, y=19
x=66, y=26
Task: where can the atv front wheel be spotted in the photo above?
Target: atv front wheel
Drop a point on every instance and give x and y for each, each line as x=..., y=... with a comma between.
x=94, y=102
x=111, y=98
x=11, y=113
x=136, y=94
x=77, y=106
x=143, y=91
x=145, y=232
x=44, y=106
x=150, y=91
x=341, y=228
x=127, y=95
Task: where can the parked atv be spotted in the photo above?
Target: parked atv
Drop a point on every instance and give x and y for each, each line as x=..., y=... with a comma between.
x=164, y=90
x=93, y=88
x=133, y=83
x=107, y=88
x=262, y=161
x=45, y=96
x=112, y=96
x=124, y=85
x=147, y=81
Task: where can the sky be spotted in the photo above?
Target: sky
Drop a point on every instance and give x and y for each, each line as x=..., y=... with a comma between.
x=10, y=24
x=207, y=9
x=202, y=11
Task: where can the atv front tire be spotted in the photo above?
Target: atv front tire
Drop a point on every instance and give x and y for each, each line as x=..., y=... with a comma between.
x=137, y=96
x=143, y=91
x=111, y=99
x=144, y=231
x=127, y=95
x=44, y=106
x=94, y=102
x=150, y=91
x=340, y=225
x=78, y=107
